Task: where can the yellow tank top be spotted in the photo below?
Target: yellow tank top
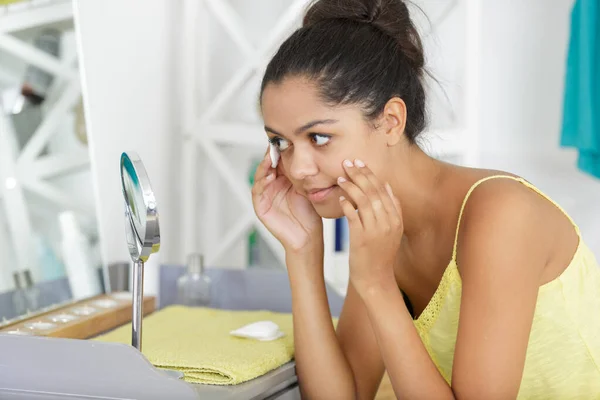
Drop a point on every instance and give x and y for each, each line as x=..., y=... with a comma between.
x=563, y=354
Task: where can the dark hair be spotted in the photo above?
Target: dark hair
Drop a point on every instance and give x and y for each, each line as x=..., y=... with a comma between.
x=359, y=52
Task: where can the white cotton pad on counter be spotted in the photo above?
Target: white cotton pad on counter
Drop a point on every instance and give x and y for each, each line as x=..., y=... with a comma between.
x=261, y=330
x=274, y=153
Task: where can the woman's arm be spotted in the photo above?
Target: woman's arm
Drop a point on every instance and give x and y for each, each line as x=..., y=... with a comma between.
x=360, y=347
x=503, y=248
x=412, y=372
x=331, y=364
x=323, y=372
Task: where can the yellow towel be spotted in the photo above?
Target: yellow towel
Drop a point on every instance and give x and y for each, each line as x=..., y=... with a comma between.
x=196, y=341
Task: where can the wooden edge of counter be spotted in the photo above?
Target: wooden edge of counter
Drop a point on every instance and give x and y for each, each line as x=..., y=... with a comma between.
x=103, y=319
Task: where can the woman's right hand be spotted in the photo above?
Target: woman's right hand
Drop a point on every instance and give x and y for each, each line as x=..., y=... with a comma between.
x=289, y=216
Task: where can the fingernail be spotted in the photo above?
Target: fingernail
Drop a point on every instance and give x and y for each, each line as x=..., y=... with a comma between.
x=342, y=198
x=359, y=163
x=348, y=163
x=270, y=176
x=341, y=180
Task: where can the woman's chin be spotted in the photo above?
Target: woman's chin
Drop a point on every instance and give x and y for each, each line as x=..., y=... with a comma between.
x=329, y=211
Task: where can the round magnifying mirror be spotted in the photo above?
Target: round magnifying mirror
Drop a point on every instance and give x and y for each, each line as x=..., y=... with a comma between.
x=141, y=214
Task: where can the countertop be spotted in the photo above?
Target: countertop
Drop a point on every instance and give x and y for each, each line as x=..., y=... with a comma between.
x=55, y=368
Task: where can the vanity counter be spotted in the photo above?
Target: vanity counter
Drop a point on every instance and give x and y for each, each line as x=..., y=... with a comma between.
x=51, y=368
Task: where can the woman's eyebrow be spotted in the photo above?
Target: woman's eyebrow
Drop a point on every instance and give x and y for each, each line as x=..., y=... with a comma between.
x=304, y=127
x=313, y=123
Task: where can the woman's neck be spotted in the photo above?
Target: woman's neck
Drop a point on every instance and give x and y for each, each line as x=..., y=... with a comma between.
x=419, y=185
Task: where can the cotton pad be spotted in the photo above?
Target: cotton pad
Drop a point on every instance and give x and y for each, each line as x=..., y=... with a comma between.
x=261, y=330
x=274, y=153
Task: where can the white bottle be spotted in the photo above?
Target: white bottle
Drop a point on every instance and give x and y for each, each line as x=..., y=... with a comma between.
x=76, y=251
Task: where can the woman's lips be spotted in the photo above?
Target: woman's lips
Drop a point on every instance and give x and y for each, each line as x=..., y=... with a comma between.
x=320, y=195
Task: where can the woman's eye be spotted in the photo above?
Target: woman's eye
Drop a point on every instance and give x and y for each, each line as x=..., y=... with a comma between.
x=280, y=143
x=321, y=140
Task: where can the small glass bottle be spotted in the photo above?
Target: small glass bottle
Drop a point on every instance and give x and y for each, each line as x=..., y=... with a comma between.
x=32, y=292
x=193, y=288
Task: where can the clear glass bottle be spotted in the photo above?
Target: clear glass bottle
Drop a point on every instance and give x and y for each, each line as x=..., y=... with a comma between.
x=32, y=292
x=193, y=288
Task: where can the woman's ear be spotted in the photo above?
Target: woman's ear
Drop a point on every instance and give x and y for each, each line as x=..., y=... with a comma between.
x=394, y=120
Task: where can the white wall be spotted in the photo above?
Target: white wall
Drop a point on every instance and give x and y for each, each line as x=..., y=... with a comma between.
x=127, y=62
x=524, y=46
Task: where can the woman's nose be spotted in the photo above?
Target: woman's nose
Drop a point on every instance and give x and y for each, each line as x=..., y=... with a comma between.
x=303, y=165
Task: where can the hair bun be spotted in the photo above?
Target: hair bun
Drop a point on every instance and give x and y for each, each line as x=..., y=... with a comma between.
x=374, y=12
x=391, y=17
x=366, y=11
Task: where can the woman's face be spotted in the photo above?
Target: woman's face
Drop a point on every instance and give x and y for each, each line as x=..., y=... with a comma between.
x=314, y=140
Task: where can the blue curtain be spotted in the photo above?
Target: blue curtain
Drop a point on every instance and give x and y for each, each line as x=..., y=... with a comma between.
x=581, y=114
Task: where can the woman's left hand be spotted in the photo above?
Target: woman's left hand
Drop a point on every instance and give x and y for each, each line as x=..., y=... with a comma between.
x=375, y=230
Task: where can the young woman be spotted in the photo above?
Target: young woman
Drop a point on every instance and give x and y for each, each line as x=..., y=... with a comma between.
x=464, y=283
